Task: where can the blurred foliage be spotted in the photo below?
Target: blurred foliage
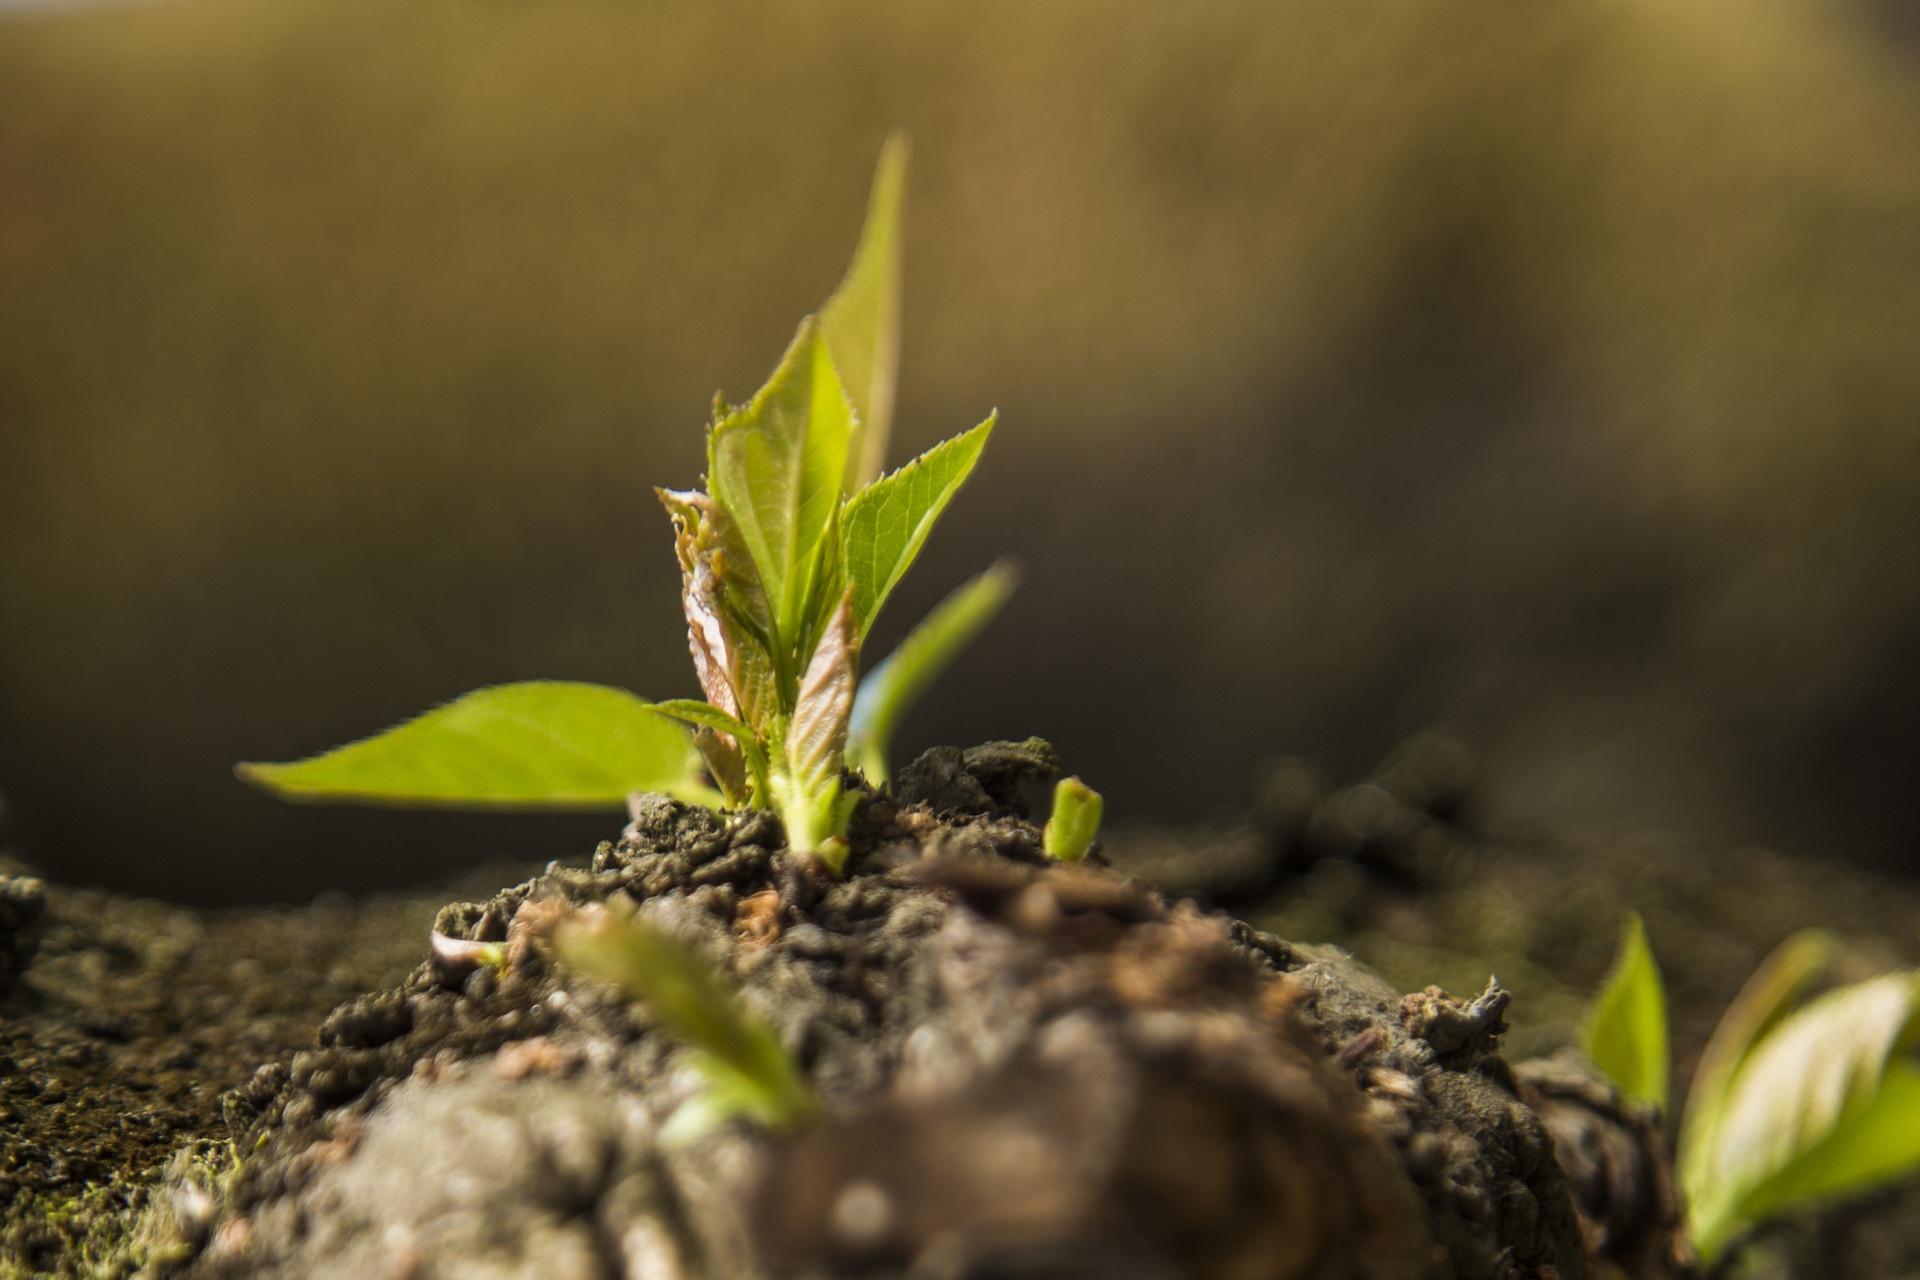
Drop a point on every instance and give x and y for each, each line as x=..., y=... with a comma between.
x=1545, y=368
x=1626, y=1032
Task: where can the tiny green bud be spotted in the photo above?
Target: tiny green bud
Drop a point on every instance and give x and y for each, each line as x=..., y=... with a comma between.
x=1075, y=820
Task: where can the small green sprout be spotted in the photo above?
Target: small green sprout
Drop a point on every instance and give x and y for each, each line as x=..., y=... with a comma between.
x=1626, y=1034
x=787, y=554
x=749, y=1073
x=1075, y=820
x=1793, y=1105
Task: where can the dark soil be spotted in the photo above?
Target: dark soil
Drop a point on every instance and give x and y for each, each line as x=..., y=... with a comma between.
x=1030, y=1070
x=127, y=1023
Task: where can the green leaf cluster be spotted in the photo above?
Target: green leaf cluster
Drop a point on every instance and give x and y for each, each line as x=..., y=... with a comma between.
x=749, y=1072
x=1795, y=1103
x=787, y=554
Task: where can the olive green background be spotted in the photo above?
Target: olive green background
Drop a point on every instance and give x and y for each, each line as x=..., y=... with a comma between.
x=1548, y=369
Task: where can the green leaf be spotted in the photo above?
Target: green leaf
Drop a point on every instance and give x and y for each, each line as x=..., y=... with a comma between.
x=806, y=785
x=888, y=522
x=1627, y=1028
x=862, y=318
x=892, y=688
x=693, y=711
x=728, y=620
x=748, y=1070
x=1807, y=1084
x=816, y=743
x=544, y=744
x=1785, y=976
x=775, y=465
x=713, y=720
x=1874, y=1145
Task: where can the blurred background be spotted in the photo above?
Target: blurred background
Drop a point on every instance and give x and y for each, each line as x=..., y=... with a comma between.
x=1547, y=371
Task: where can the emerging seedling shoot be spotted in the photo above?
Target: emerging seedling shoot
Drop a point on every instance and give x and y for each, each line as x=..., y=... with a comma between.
x=788, y=551
x=1075, y=820
x=1792, y=1104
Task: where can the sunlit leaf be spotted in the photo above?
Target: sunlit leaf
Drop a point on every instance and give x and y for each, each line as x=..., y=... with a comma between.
x=1874, y=1145
x=726, y=762
x=728, y=620
x=828, y=593
x=817, y=737
x=1819, y=1069
x=724, y=732
x=861, y=320
x=807, y=788
x=1782, y=979
x=1626, y=1032
x=887, y=523
x=749, y=1071
x=892, y=688
x=544, y=744
x=694, y=711
x=775, y=465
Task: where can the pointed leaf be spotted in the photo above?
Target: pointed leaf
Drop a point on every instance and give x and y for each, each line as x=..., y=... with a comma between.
x=1627, y=1029
x=829, y=588
x=774, y=465
x=713, y=719
x=693, y=711
x=747, y=1067
x=1786, y=975
x=862, y=318
x=727, y=762
x=888, y=522
x=817, y=738
x=891, y=688
x=544, y=744
x=727, y=615
x=1875, y=1145
x=1820, y=1067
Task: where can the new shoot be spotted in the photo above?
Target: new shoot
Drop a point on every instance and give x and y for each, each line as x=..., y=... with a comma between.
x=1794, y=1103
x=788, y=550
x=1075, y=820
x=749, y=1073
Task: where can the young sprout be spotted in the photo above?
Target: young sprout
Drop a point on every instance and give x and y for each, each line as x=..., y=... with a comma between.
x=787, y=553
x=749, y=1073
x=1793, y=1105
x=1074, y=822
x=1626, y=1033
x=929, y=649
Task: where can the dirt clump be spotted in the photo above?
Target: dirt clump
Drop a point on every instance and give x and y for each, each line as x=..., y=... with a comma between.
x=1028, y=1069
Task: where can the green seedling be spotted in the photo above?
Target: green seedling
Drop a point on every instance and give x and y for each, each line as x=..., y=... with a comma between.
x=1075, y=820
x=749, y=1072
x=1626, y=1033
x=787, y=553
x=1794, y=1104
